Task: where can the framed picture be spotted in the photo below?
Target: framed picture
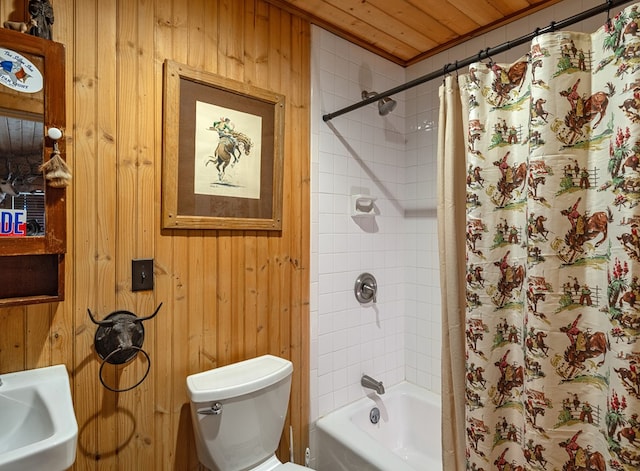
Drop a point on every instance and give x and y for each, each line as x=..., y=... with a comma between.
x=222, y=152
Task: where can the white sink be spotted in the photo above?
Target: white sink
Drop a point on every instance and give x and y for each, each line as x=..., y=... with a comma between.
x=38, y=428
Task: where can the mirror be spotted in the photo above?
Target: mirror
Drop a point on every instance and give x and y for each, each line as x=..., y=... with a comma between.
x=32, y=197
x=22, y=188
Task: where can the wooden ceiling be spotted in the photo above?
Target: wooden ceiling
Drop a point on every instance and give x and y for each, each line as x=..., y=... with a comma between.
x=407, y=31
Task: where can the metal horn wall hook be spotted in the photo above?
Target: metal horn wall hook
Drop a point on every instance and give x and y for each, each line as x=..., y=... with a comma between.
x=152, y=315
x=119, y=338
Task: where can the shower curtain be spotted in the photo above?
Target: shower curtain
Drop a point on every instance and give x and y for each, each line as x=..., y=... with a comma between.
x=551, y=314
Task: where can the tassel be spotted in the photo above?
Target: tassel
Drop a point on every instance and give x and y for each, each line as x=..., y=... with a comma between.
x=56, y=171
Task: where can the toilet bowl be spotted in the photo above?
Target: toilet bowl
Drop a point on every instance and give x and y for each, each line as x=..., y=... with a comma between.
x=238, y=413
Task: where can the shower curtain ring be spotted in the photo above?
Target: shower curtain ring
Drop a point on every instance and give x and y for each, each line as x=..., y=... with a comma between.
x=486, y=53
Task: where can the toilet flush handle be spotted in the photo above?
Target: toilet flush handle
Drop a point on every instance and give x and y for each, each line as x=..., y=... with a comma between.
x=215, y=409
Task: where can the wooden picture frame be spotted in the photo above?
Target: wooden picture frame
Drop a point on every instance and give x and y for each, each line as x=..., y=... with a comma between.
x=222, y=152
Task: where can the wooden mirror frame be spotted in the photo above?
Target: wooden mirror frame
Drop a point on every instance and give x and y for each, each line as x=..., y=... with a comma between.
x=33, y=266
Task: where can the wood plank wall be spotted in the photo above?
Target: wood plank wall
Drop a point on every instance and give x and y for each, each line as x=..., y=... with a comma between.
x=227, y=295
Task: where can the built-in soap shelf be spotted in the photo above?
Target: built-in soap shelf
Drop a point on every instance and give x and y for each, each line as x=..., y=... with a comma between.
x=363, y=205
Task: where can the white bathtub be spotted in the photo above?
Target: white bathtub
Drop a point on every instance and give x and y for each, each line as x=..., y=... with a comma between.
x=406, y=438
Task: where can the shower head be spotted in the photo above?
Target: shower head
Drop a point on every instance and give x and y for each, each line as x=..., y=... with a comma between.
x=385, y=105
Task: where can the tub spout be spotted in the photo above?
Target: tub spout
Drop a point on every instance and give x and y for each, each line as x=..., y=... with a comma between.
x=368, y=382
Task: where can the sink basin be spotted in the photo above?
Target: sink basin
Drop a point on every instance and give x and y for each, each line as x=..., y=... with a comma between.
x=38, y=429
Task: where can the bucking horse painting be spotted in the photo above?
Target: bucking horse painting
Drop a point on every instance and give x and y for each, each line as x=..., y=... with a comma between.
x=228, y=151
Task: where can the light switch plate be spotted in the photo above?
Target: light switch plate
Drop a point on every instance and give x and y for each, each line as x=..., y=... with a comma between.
x=142, y=274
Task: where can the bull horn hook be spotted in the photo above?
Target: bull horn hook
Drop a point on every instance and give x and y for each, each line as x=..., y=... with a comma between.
x=107, y=322
x=140, y=319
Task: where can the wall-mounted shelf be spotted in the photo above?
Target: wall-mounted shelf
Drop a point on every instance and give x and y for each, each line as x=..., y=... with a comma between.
x=363, y=206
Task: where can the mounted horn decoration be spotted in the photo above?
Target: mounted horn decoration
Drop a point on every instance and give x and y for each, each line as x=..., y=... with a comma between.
x=118, y=340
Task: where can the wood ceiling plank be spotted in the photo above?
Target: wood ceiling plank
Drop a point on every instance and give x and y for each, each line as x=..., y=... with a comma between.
x=417, y=19
x=480, y=10
x=447, y=14
x=407, y=31
x=347, y=26
x=380, y=18
x=509, y=7
x=484, y=28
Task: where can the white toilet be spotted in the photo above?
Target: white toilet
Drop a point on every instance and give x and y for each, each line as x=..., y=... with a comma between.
x=238, y=413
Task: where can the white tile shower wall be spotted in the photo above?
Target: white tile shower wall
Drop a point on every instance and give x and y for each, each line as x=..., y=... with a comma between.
x=357, y=153
x=394, y=159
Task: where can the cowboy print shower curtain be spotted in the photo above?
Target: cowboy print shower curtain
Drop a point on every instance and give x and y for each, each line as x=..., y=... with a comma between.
x=553, y=254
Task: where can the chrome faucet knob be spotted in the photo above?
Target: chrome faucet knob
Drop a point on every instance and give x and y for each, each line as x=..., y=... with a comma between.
x=371, y=290
x=366, y=288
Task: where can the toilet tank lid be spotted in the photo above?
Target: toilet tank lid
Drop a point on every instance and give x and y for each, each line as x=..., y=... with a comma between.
x=238, y=379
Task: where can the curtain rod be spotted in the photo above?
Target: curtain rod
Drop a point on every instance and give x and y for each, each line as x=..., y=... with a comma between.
x=483, y=54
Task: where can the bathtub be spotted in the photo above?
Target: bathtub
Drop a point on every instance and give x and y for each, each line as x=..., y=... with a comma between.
x=407, y=436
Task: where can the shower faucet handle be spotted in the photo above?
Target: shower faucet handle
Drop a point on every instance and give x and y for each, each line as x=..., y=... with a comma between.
x=370, y=289
x=366, y=288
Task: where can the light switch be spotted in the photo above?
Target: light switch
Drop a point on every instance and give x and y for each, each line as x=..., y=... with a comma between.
x=141, y=274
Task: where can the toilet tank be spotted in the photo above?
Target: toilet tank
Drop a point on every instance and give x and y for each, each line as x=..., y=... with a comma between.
x=254, y=397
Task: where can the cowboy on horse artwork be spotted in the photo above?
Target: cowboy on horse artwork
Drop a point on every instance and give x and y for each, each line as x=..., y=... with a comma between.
x=580, y=458
x=583, y=110
x=225, y=129
x=507, y=80
x=511, y=377
x=575, y=218
x=511, y=278
x=584, y=228
x=230, y=146
x=576, y=336
x=513, y=178
x=584, y=345
x=506, y=270
x=227, y=152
